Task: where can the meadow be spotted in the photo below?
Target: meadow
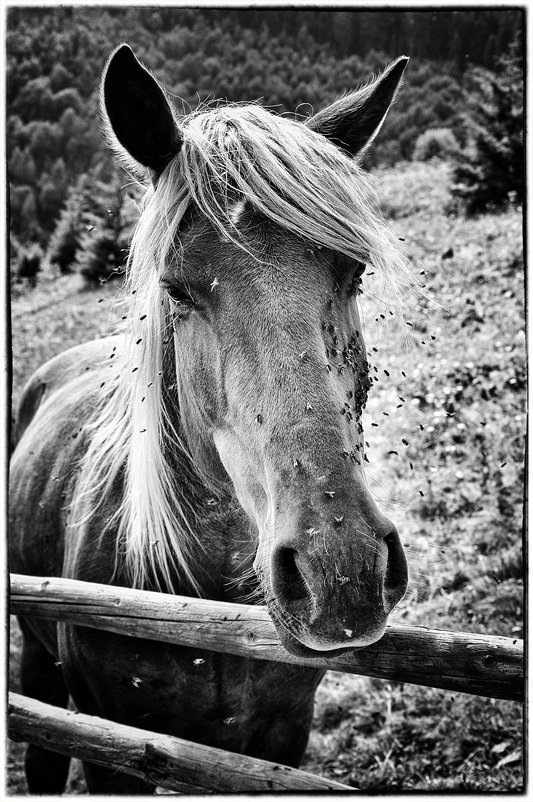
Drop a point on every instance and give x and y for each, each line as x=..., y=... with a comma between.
x=445, y=425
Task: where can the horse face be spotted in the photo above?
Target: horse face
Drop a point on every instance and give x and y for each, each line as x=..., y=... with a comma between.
x=272, y=379
x=271, y=368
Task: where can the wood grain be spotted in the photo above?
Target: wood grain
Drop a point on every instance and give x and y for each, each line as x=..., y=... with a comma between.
x=166, y=761
x=478, y=664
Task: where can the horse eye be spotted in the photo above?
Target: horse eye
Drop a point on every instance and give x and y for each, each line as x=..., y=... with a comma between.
x=356, y=281
x=180, y=295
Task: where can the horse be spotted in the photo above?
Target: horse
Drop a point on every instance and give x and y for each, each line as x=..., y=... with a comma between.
x=213, y=446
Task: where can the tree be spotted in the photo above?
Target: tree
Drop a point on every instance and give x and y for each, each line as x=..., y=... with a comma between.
x=52, y=194
x=97, y=258
x=59, y=78
x=29, y=263
x=66, y=238
x=34, y=100
x=21, y=167
x=27, y=215
x=81, y=209
x=45, y=140
x=435, y=143
x=104, y=243
x=66, y=99
x=489, y=173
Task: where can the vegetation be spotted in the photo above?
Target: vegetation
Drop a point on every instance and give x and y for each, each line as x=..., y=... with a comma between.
x=446, y=463
x=29, y=264
x=55, y=57
x=435, y=143
x=490, y=172
x=66, y=239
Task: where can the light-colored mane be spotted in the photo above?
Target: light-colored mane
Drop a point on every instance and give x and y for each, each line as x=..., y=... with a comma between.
x=294, y=177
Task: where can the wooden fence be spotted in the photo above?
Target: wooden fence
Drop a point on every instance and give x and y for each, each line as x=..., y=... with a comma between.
x=479, y=664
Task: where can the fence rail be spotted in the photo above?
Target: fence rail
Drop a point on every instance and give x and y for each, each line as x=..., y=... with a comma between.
x=478, y=664
x=166, y=761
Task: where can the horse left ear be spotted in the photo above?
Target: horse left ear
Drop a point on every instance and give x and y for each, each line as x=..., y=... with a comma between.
x=353, y=121
x=139, y=114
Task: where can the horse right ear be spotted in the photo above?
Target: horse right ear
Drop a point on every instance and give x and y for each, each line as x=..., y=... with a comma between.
x=353, y=121
x=139, y=115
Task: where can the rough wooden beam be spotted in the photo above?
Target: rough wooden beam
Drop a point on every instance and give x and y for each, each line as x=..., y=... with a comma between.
x=479, y=664
x=163, y=760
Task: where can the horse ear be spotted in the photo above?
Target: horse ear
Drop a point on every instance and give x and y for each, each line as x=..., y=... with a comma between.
x=138, y=112
x=353, y=121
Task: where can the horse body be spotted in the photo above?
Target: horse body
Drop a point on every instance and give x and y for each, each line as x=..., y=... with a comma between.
x=216, y=448
x=249, y=706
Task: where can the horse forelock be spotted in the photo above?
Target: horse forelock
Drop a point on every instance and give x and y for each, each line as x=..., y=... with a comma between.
x=230, y=155
x=291, y=175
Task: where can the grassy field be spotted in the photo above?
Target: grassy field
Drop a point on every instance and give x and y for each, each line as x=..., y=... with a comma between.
x=446, y=463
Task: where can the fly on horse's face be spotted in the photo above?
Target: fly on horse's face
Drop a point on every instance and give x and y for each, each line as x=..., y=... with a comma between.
x=272, y=377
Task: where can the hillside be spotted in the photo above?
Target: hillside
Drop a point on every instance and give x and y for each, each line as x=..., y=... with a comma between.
x=291, y=60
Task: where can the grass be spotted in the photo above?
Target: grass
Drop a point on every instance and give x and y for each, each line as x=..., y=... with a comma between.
x=446, y=464
x=58, y=314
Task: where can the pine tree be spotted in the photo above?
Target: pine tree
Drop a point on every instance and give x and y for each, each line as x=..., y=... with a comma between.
x=103, y=246
x=489, y=173
x=66, y=238
x=96, y=259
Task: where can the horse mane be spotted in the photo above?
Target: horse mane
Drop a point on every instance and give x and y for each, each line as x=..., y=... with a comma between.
x=294, y=177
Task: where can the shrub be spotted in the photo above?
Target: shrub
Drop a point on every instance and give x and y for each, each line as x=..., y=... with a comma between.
x=493, y=175
x=99, y=256
x=435, y=143
x=29, y=263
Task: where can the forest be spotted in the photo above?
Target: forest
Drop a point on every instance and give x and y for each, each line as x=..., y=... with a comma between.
x=61, y=172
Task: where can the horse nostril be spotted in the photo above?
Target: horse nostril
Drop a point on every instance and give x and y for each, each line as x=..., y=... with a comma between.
x=288, y=581
x=395, y=581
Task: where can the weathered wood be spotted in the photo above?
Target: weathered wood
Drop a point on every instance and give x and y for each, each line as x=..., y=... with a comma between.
x=479, y=664
x=163, y=760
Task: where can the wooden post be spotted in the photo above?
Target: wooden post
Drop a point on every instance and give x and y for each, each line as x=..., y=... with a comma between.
x=479, y=664
x=163, y=760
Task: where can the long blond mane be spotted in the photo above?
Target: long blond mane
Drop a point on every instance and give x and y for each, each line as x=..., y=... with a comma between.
x=294, y=177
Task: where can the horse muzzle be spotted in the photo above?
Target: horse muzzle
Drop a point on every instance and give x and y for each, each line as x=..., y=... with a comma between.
x=329, y=593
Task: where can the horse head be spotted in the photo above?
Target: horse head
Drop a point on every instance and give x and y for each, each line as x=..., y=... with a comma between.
x=261, y=227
